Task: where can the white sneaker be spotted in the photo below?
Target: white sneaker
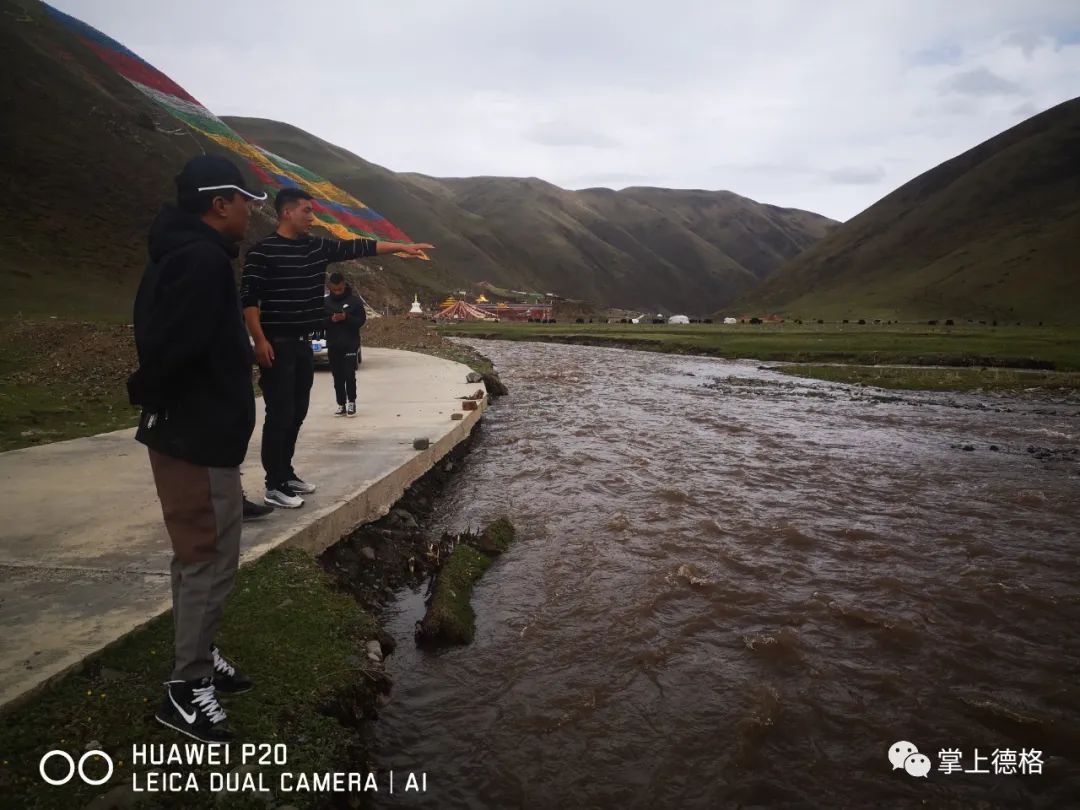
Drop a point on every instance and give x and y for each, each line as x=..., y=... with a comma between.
x=283, y=496
x=350, y=409
x=340, y=410
x=302, y=487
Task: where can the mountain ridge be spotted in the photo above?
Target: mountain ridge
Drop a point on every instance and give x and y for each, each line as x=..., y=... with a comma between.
x=991, y=233
x=636, y=248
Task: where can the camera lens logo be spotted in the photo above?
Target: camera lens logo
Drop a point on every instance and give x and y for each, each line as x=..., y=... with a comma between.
x=72, y=769
x=905, y=755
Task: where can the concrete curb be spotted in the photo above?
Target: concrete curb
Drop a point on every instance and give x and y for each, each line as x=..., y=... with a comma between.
x=370, y=503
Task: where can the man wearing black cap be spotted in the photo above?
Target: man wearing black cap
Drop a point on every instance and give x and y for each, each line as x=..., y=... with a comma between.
x=194, y=386
x=282, y=294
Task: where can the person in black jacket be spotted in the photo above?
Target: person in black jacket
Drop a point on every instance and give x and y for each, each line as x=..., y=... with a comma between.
x=346, y=314
x=198, y=412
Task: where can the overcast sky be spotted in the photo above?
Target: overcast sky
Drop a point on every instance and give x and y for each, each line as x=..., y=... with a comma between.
x=819, y=104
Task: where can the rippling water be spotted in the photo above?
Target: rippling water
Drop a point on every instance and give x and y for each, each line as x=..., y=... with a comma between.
x=735, y=588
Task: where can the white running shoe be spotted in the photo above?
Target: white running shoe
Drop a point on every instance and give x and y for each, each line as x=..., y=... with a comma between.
x=283, y=496
x=298, y=486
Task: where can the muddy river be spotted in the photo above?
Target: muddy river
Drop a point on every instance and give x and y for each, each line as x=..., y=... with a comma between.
x=736, y=588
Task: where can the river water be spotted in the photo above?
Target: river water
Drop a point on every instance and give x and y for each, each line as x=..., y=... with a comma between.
x=736, y=588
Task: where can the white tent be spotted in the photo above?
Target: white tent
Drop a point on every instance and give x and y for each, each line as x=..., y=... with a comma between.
x=730, y=320
x=678, y=319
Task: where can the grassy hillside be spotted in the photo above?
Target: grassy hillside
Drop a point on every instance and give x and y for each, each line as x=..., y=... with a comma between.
x=992, y=233
x=87, y=162
x=639, y=248
x=84, y=163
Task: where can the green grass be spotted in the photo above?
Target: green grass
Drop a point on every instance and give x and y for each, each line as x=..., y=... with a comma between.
x=36, y=414
x=498, y=537
x=46, y=294
x=940, y=379
x=63, y=380
x=1048, y=347
x=40, y=403
x=286, y=625
x=450, y=618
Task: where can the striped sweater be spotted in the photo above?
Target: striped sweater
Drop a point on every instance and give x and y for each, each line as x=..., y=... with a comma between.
x=286, y=280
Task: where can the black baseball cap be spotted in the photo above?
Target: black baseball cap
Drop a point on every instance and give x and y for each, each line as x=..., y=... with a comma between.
x=209, y=173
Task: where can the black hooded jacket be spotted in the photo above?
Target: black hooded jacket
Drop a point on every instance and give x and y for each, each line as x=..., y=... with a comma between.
x=194, y=375
x=344, y=335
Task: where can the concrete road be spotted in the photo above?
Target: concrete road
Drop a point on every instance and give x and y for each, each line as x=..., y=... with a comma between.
x=84, y=557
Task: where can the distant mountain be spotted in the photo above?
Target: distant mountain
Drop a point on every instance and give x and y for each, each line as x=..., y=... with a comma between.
x=993, y=233
x=639, y=248
x=87, y=156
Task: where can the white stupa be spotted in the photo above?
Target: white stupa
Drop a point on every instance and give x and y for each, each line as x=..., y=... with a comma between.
x=416, y=306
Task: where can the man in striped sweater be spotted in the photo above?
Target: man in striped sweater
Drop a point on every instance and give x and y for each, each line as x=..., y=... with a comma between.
x=282, y=291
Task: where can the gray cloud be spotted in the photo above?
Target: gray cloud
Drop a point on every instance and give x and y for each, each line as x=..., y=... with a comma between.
x=1025, y=110
x=611, y=179
x=564, y=133
x=856, y=176
x=1027, y=41
x=981, y=82
x=741, y=96
x=788, y=168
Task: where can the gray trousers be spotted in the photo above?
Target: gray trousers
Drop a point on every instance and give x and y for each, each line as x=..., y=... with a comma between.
x=203, y=509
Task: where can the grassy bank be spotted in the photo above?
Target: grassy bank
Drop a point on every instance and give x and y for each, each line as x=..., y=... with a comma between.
x=941, y=379
x=286, y=625
x=66, y=379
x=61, y=380
x=450, y=618
x=1056, y=348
